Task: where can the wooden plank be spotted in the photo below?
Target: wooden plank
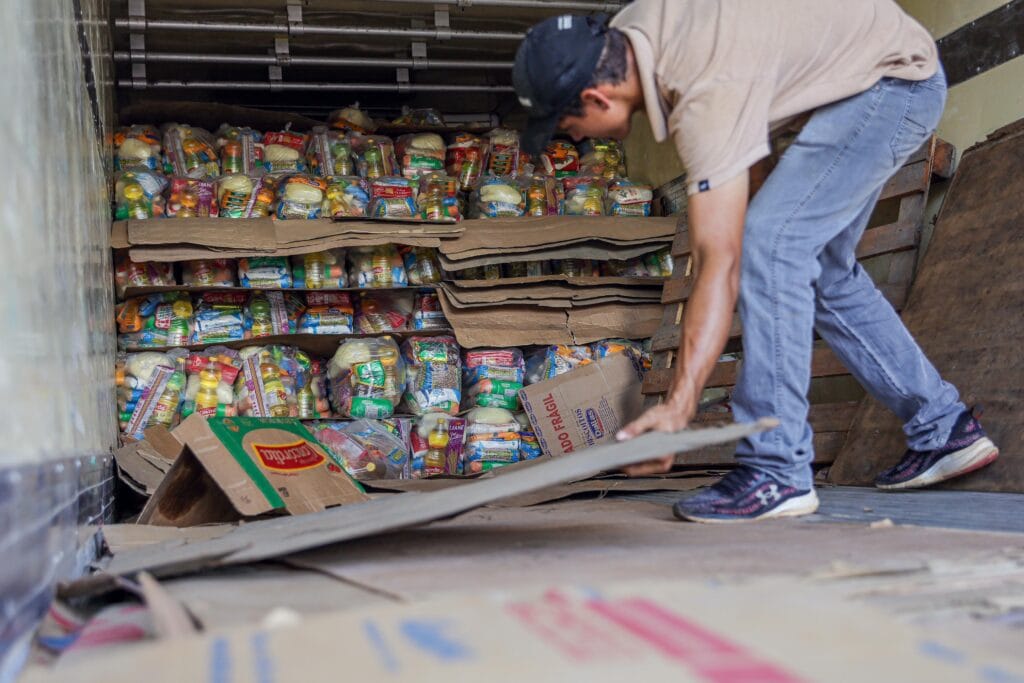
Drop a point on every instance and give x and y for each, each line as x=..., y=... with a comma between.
x=908, y=180
x=967, y=313
x=823, y=417
x=826, y=447
x=886, y=239
x=824, y=363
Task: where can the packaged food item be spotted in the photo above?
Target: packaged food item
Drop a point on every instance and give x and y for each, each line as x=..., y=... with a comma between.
x=659, y=263
x=543, y=196
x=367, y=378
x=265, y=272
x=421, y=265
x=488, y=272
x=329, y=153
x=607, y=347
x=327, y=313
x=576, y=267
x=647, y=354
x=138, y=194
x=634, y=267
x=584, y=196
x=137, y=147
x=498, y=197
x=375, y=156
x=128, y=273
x=393, y=197
x=242, y=196
x=626, y=198
x=525, y=269
x=190, y=152
x=220, y=272
x=603, y=158
x=192, y=198
x=150, y=387
x=436, y=444
x=221, y=317
x=438, y=198
x=464, y=160
x=503, y=152
x=493, y=377
x=154, y=321
x=559, y=159
x=311, y=388
x=375, y=267
x=320, y=270
x=352, y=118
x=241, y=150
x=424, y=117
x=433, y=375
x=274, y=312
x=383, y=455
x=262, y=386
x=420, y=153
x=299, y=197
x=529, y=444
x=556, y=360
x=284, y=152
x=492, y=440
x=346, y=197
x=427, y=313
x=209, y=390
x=383, y=312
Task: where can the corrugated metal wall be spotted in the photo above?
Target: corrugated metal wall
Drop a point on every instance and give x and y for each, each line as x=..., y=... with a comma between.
x=56, y=340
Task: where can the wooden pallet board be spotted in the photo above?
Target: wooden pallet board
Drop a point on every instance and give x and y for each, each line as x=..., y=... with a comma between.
x=967, y=312
x=888, y=250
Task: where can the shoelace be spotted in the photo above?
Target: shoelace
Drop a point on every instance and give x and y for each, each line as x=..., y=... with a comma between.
x=736, y=481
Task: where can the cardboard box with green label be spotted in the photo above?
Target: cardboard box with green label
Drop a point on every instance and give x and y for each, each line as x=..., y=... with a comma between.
x=237, y=467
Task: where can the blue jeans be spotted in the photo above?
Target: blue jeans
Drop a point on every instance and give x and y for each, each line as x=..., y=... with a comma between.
x=799, y=273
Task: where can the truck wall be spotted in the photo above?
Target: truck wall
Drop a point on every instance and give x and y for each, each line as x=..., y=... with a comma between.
x=56, y=341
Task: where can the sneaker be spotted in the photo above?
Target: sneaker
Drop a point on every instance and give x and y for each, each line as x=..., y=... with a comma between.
x=967, y=449
x=746, y=495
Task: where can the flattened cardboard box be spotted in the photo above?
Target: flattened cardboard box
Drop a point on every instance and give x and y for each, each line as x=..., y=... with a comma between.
x=500, y=234
x=584, y=407
x=244, y=467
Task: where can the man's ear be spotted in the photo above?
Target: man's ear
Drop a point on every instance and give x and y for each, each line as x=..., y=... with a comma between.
x=595, y=97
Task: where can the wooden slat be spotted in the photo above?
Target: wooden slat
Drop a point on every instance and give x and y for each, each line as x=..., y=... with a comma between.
x=908, y=180
x=824, y=363
x=824, y=417
x=886, y=239
x=826, y=447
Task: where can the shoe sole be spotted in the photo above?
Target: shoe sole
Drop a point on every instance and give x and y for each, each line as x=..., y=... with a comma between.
x=979, y=454
x=799, y=506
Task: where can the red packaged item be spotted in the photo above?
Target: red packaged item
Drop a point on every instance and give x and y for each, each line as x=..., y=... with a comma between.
x=464, y=160
x=503, y=153
x=383, y=312
x=192, y=198
x=284, y=151
x=560, y=158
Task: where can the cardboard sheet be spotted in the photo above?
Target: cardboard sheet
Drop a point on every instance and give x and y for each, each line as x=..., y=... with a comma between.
x=536, y=323
x=530, y=232
x=574, y=281
x=186, y=252
x=680, y=631
x=538, y=293
x=586, y=249
x=269, y=538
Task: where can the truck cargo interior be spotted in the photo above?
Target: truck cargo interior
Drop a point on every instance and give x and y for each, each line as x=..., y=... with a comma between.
x=315, y=370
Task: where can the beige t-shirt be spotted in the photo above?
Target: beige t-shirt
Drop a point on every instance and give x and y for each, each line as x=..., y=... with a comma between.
x=719, y=74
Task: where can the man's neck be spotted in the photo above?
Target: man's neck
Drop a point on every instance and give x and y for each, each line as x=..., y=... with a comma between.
x=632, y=91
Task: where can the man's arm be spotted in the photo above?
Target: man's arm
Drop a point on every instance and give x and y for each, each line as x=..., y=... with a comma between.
x=716, y=219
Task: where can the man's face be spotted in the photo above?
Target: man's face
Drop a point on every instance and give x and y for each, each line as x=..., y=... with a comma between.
x=602, y=118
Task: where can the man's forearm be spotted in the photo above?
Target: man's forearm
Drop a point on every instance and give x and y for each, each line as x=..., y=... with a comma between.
x=706, y=323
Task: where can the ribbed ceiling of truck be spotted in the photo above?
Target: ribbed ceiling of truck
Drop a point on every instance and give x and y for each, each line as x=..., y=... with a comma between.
x=312, y=56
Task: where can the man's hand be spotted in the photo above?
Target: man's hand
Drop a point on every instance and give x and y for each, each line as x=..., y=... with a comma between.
x=666, y=417
x=715, y=227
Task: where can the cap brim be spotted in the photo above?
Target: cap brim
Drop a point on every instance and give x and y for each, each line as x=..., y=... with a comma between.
x=538, y=133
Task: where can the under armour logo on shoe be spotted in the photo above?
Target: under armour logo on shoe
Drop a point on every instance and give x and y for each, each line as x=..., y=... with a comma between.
x=768, y=495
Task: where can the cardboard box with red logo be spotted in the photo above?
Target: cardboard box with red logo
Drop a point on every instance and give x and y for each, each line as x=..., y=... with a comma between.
x=584, y=407
x=238, y=467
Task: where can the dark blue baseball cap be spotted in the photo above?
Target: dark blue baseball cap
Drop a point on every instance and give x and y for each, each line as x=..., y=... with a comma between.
x=554, y=63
